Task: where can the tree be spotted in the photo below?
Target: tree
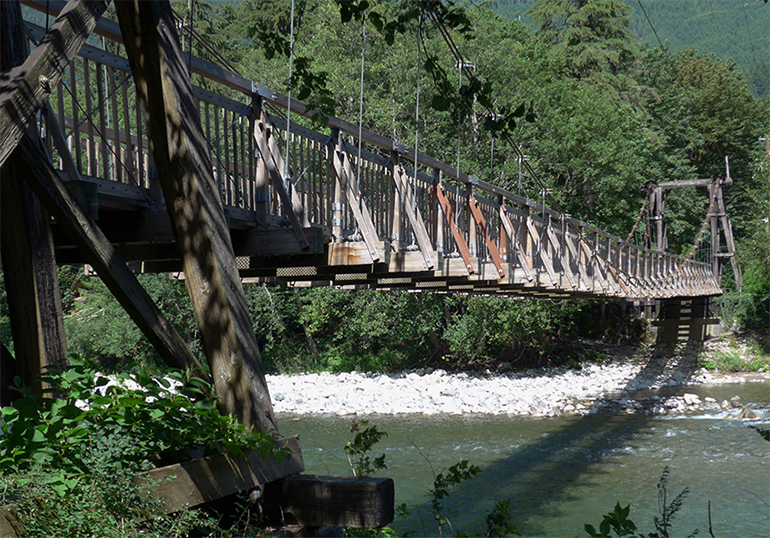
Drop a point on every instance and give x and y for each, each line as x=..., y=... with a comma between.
x=593, y=38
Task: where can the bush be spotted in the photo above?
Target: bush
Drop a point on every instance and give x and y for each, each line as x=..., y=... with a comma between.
x=69, y=456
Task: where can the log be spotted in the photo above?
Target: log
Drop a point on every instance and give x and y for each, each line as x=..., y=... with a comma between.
x=30, y=275
x=331, y=501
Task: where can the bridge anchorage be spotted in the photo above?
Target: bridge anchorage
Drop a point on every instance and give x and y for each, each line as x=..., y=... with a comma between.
x=196, y=185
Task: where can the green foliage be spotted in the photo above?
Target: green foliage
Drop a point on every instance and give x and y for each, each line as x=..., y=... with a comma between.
x=363, y=443
x=618, y=523
x=156, y=419
x=734, y=361
x=452, y=476
x=499, y=520
x=484, y=330
x=70, y=456
x=97, y=327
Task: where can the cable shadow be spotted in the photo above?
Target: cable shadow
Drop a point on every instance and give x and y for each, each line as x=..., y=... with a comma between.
x=542, y=474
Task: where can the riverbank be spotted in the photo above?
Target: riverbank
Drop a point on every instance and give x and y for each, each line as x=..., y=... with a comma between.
x=615, y=384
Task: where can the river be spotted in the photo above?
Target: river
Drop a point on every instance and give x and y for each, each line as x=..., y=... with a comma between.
x=563, y=472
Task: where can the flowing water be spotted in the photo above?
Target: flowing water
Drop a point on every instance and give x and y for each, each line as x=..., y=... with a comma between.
x=561, y=473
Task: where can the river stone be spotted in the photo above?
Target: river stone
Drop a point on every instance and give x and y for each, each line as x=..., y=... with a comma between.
x=692, y=399
x=736, y=401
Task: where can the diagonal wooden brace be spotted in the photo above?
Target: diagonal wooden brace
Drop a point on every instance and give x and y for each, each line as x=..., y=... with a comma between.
x=357, y=204
x=449, y=216
x=560, y=253
x=537, y=244
x=28, y=87
x=261, y=135
x=99, y=253
x=473, y=204
x=412, y=213
x=573, y=251
x=515, y=240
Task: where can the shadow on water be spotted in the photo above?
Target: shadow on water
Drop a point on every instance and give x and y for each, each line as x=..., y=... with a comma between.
x=543, y=474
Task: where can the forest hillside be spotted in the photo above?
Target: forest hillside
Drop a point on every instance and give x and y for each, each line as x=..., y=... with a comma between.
x=730, y=29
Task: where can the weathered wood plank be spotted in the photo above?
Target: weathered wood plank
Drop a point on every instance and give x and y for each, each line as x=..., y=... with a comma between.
x=31, y=281
x=331, y=501
x=406, y=195
x=24, y=92
x=448, y=212
x=509, y=229
x=193, y=201
x=482, y=223
x=540, y=247
x=273, y=165
x=188, y=484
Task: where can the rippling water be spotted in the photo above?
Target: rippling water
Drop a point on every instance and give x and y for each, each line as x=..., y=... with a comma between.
x=561, y=473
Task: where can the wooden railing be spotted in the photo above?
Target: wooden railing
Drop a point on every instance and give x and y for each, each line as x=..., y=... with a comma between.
x=438, y=224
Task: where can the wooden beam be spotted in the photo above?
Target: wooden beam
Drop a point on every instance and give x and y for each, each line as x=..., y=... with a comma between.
x=27, y=89
x=540, y=247
x=99, y=253
x=406, y=195
x=193, y=201
x=275, y=170
x=31, y=280
x=560, y=252
x=331, y=501
x=356, y=203
x=509, y=229
x=482, y=223
x=448, y=212
x=188, y=484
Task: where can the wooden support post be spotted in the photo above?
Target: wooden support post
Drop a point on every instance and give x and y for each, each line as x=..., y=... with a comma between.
x=261, y=179
x=538, y=246
x=25, y=89
x=194, y=205
x=560, y=254
x=437, y=217
x=98, y=252
x=290, y=198
x=29, y=267
x=516, y=245
x=577, y=255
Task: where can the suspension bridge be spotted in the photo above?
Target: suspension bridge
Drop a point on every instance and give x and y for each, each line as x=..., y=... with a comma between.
x=352, y=209
x=111, y=157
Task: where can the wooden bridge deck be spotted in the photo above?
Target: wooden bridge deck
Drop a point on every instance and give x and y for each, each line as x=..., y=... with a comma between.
x=319, y=223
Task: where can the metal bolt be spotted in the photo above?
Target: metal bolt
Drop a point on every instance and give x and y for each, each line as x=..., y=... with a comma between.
x=45, y=83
